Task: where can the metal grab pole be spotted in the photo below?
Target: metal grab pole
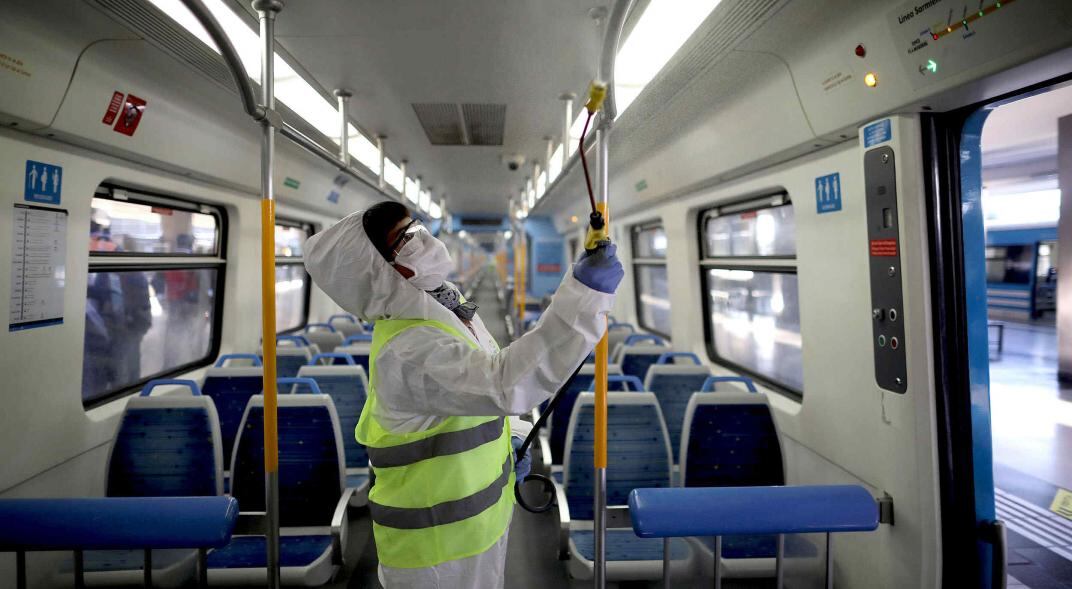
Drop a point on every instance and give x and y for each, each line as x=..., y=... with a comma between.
x=605, y=74
x=267, y=11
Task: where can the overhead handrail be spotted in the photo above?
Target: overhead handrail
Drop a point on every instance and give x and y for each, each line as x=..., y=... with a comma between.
x=300, y=380
x=147, y=390
x=222, y=360
x=332, y=355
x=230, y=57
x=327, y=326
x=709, y=384
x=667, y=357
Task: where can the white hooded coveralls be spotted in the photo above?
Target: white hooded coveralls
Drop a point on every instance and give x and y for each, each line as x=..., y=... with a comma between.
x=425, y=374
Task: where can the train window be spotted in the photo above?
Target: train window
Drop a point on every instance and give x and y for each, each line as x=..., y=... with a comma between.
x=135, y=228
x=749, y=279
x=1010, y=264
x=765, y=232
x=291, y=281
x=147, y=317
x=649, y=269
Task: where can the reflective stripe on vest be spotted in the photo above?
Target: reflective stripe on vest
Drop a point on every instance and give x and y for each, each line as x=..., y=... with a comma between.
x=443, y=493
x=444, y=444
x=412, y=518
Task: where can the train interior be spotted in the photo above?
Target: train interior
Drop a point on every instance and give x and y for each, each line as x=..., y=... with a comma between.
x=845, y=306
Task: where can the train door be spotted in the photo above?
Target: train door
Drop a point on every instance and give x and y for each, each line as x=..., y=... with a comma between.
x=1007, y=411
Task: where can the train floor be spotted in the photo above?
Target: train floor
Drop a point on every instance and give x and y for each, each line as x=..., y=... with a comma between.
x=1032, y=433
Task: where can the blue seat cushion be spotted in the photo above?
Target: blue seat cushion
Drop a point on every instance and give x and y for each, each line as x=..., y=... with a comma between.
x=163, y=452
x=309, y=477
x=354, y=481
x=624, y=545
x=636, y=456
x=231, y=395
x=673, y=392
x=637, y=364
x=348, y=394
x=288, y=366
x=733, y=446
x=248, y=552
x=744, y=546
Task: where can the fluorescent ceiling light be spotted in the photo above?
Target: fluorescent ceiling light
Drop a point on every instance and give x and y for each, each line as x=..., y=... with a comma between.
x=554, y=167
x=578, y=126
x=364, y=150
x=436, y=211
x=424, y=200
x=412, y=190
x=392, y=174
x=541, y=185
x=290, y=88
x=661, y=30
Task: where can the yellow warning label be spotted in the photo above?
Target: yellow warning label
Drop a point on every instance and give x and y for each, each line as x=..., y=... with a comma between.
x=1062, y=503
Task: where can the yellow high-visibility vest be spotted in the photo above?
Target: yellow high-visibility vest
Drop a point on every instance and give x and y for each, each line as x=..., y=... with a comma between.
x=440, y=494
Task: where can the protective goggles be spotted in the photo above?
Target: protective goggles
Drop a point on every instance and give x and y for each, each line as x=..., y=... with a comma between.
x=408, y=232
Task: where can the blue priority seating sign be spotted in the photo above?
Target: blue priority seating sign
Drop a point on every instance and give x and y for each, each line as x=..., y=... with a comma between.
x=43, y=183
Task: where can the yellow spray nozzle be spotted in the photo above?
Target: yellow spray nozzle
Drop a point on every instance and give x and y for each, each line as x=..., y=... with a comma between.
x=597, y=93
x=597, y=228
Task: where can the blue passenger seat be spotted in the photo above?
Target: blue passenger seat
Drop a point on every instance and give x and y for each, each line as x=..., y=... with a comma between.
x=312, y=501
x=638, y=352
x=560, y=418
x=638, y=455
x=346, y=324
x=324, y=335
x=348, y=388
x=291, y=353
x=358, y=347
x=730, y=440
x=673, y=385
x=165, y=446
x=616, y=335
x=230, y=389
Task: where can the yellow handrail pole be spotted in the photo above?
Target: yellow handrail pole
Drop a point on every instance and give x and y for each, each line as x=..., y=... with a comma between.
x=267, y=11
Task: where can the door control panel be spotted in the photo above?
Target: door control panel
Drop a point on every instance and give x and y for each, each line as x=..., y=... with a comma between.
x=884, y=254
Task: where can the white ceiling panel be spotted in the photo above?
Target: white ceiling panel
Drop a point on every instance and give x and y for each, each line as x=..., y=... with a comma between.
x=392, y=54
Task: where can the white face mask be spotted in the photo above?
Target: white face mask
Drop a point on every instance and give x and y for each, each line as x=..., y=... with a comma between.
x=428, y=259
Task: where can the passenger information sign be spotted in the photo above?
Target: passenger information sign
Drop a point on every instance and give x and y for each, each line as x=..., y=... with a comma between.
x=828, y=193
x=38, y=267
x=43, y=183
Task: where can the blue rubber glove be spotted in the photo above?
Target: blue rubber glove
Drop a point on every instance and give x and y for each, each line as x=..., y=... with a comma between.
x=599, y=269
x=522, y=468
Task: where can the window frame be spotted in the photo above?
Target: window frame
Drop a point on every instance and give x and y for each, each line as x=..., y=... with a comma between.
x=774, y=264
x=307, y=289
x=634, y=229
x=151, y=262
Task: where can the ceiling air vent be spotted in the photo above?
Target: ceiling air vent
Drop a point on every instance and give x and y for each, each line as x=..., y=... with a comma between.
x=448, y=123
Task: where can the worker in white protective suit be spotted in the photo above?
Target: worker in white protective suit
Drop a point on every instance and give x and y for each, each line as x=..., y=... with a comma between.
x=439, y=419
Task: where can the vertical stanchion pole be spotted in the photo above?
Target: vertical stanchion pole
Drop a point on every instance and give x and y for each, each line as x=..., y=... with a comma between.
x=343, y=95
x=599, y=457
x=605, y=75
x=267, y=11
